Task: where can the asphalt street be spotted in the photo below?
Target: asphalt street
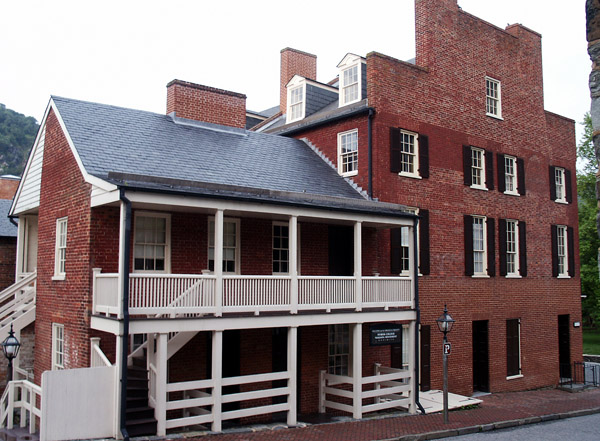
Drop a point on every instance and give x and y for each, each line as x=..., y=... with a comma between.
x=585, y=428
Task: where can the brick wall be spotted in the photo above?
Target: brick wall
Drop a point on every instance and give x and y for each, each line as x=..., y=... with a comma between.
x=8, y=253
x=8, y=187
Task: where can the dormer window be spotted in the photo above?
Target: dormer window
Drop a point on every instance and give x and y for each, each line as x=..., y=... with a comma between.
x=296, y=103
x=350, y=85
x=351, y=79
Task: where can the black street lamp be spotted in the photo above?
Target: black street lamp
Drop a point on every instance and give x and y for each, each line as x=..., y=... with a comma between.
x=445, y=323
x=10, y=347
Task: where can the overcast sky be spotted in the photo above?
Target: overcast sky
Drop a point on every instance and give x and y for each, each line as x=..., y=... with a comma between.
x=125, y=52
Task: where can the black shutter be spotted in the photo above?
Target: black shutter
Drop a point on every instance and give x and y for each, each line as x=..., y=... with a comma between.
x=395, y=150
x=568, y=191
x=523, y=249
x=489, y=170
x=423, y=156
x=512, y=347
x=469, y=266
x=396, y=250
x=502, y=245
x=554, y=237
x=571, y=251
x=425, y=261
x=491, y=247
x=501, y=178
x=553, y=183
x=467, y=163
x=521, y=176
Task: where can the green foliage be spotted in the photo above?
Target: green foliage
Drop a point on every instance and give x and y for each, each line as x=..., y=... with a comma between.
x=17, y=133
x=589, y=241
x=591, y=342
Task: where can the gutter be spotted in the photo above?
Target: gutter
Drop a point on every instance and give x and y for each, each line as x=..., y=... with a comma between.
x=11, y=218
x=320, y=122
x=125, y=312
x=418, y=310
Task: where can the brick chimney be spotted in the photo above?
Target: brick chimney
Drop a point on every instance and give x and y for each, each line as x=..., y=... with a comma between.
x=295, y=62
x=207, y=104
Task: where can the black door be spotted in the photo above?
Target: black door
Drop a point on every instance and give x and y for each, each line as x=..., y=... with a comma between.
x=396, y=355
x=564, y=346
x=231, y=364
x=341, y=251
x=481, y=376
x=425, y=353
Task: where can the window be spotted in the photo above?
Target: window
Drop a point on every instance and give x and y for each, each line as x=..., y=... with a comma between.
x=348, y=153
x=478, y=168
x=297, y=103
x=409, y=153
x=513, y=248
x=510, y=174
x=58, y=346
x=281, y=248
x=513, y=348
x=231, y=245
x=350, y=86
x=560, y=255
x=479, y=246
x=493, y=103
x=560, y=185
x=401, y=239
x=151, y=242
x=60, y=256
x=339, y=349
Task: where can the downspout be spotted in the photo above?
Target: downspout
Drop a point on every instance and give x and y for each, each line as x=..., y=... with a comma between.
x=418, y=311
x=370, y=171
x=11, y=218
x=125, y=312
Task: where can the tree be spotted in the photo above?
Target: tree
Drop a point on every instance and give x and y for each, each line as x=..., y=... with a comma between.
x=589, y=240
x=17, y=133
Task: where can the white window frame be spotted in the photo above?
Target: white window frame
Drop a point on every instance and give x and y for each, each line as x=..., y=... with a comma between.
x=405, y=136
x=519, y=375
x=342, y=156
x=560, y=183
x=562, y=251
x=510, y=179
x=493, y=98
x=167, y=244
x=478, y=168
x=406, y=245
x=512, y=249
x=237, y=248
x=60, y=249
x=480, y=251
x=58, y=346
x=281, y=248
x=296, y=85
x=338, y=345
x=353, y=85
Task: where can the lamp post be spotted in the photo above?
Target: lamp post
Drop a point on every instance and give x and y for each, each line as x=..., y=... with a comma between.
x=445, y=322
x=10, y=347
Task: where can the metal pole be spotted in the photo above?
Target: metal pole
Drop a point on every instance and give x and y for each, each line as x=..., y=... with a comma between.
x=9, y=374
x=445, y=380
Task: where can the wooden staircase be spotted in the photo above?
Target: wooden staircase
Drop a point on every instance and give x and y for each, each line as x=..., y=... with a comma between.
x=140, y=416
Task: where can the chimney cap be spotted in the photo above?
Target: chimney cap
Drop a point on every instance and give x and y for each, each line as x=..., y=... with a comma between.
x=289, y=49
x=206, y=88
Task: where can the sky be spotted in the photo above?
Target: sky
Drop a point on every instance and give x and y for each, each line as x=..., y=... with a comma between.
x=125, y=52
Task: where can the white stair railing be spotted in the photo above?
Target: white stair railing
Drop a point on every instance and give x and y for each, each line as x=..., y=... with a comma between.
x=97, y=357
x=22, y=396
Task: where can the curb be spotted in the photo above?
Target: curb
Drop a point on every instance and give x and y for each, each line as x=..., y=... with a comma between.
x=496, y=426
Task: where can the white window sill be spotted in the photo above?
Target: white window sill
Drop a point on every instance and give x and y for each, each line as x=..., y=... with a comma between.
x=514, y=377
x=563, y=276
x=347, y=175
x=410, y=175
x=478, y=187
x=59, y=277
x=512, y=193
x=561, y=201
x=480, y=276
x=514, y=276
x=491, y=115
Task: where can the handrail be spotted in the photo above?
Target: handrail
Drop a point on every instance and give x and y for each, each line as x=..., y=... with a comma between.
x=17, y=286
x=98, y=358
x=23, y=395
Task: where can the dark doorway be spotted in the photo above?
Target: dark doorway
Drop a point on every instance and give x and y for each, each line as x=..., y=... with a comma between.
x=341, y=251
x=231, y=364
x=481, y=376
x=425, y=353
x=396, y=355
x=279, y=358
x=564, y=347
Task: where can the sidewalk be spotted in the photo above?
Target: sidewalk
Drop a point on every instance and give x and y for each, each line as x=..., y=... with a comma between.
x=497, y=411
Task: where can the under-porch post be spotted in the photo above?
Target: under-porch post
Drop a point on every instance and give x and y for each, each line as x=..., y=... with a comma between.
x=117, y=390
x=217, y=377
x=292, y=367
x=160, y=412
x=357, y=370
x=412, y=368
x=358, y=263
x=293, y=257
x=219, y=262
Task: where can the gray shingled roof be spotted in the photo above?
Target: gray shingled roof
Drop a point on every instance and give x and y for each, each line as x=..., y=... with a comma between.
x=120, y=140
x=7, y=228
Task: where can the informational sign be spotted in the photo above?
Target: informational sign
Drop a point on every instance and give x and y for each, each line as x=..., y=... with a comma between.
x=386, y=334
x=447, y=348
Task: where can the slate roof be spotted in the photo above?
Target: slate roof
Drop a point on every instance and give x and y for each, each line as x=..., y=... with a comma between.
x=7, y=228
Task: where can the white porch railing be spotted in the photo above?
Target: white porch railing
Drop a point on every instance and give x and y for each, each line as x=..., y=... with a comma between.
x=97, y=356
x=22, y=396
x=388, y=388
x=181, y=294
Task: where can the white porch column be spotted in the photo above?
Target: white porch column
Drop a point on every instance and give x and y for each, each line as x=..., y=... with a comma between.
x=21, y=243
x=118, y=361
x=412, y=365
x=357, y=370
x=292, y=367
x=122, y=264
x=293, y=256
x=219, y=262
x=358, y=263
x=217, y=377
x=160, y=411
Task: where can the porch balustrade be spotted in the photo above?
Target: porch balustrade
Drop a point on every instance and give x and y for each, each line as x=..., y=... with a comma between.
x=182, y=294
